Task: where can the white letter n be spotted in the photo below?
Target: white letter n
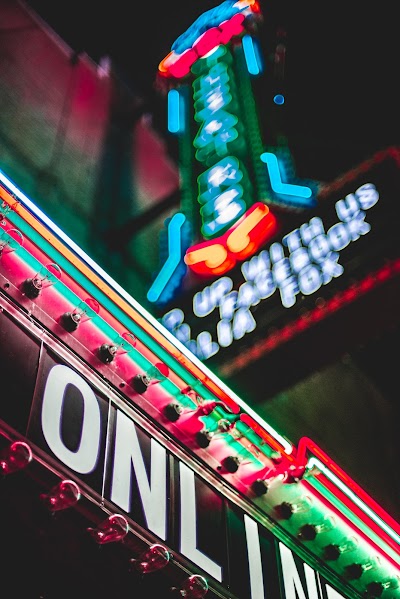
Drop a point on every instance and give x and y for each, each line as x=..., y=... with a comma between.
x=153, y=495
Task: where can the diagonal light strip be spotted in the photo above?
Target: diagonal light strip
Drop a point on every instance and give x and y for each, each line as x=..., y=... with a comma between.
x=288, y=448
x=345, y=489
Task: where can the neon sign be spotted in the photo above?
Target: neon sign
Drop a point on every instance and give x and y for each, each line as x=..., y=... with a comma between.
x=235, y=179
x=214, y=27
x=305, y=260
x=246, y=464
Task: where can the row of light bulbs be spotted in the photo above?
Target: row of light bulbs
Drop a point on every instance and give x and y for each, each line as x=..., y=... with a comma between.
x=116, y=527
x=87, y=309
x=48, y=275
x=113, y=529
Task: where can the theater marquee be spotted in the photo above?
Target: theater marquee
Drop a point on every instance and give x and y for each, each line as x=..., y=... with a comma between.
x=105, y=396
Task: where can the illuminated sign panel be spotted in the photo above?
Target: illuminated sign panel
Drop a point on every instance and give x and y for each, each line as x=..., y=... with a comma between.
x=87, y=433
x=211, y=109
x=353, y=233
x=112, y=399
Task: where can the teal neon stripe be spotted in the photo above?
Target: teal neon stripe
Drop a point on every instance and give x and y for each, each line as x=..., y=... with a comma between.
x=175, y=124
x=174, y=257
x=250, y=55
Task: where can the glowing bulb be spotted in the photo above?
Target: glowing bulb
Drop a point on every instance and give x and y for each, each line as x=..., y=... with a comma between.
x=333, y=551
x=194, y=587
x=375, y=588
x=205, y=436
x=112, y=530
x=15, y=457
x=47, y=276
x=64, y=495
x=261, y=486
x=155, y=558
x=155, y=374
x=10, y=241
x=279, y=99
x=122, y=344
x=285, y=510
x=308, y=532
x=83, y=312
x=356, y=570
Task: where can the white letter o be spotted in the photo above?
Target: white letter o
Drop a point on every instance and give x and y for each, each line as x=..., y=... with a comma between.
x=85, y=458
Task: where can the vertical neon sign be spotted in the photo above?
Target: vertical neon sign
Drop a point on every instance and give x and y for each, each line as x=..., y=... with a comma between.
x=234, y=177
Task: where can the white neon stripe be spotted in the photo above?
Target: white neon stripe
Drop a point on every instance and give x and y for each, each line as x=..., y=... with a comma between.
x=130, y=300
x=316, y=462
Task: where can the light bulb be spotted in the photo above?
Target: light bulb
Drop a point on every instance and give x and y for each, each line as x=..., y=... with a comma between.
x=308, y=532
x=64, y=495
x=47, y=276
x=194, y=587
x=15, y=457
x=231, y=463
x=333, y=551
x=205, y=436
x=83, y=312
x=154, y=558
x=261, y=486
x=375, y=588
x=356, y=570
x=285, y=510
x=281, y=474
x=122, y=344
x=173, y=411
x=155, y=374
x=113, y=529
x=206, y=406
x=10, y=241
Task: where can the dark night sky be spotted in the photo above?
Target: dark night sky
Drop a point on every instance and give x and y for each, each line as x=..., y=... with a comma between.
x=340, y=76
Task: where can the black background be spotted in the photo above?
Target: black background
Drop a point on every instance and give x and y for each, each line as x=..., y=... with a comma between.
x=339, y=79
